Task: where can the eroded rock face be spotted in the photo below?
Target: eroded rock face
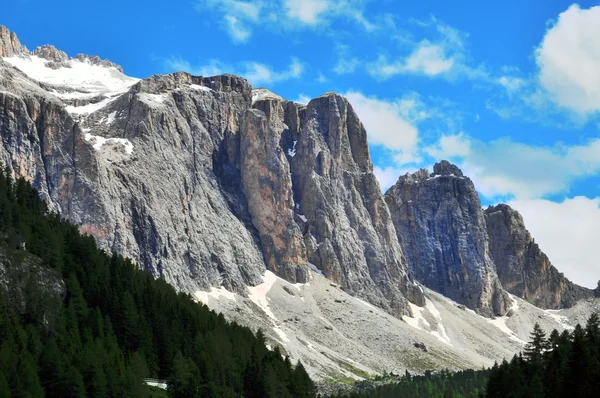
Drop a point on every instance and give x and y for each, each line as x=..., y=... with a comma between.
x=50, y=53
x=10, y=44
x=524, y=270
x=349, y=233
x=267, y=185
x=197, y=184
x=441, y=227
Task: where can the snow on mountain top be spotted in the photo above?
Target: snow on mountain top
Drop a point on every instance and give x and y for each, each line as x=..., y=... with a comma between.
x=81, y=76
x=259, y=94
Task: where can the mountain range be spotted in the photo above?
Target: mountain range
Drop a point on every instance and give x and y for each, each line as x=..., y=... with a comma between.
x=269, y=211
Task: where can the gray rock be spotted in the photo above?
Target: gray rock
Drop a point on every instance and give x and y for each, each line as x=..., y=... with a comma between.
x=95, y=60
x=199, y=186
x=10, y=44
x=50, y=53
x=441, y=227
x=522, y=267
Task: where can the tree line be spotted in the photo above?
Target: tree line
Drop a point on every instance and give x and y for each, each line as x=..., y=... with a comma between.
x=112, y=325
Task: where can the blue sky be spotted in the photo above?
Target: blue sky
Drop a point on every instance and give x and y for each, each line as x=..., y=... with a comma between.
x=510, y=91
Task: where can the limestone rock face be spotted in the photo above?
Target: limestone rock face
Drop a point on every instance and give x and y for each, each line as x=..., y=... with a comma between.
x=198, y=180
x=441, y=227
x=95, y=60
x=522, y=267
x=50, y=53
x=349, y=233
x=267, y=185
x=10, y=44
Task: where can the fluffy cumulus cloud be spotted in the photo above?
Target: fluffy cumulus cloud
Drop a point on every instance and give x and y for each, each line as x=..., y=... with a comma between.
x=568, y=233
x=257, y=73
x=504, y=168
x=568, y=59
x=390, y=123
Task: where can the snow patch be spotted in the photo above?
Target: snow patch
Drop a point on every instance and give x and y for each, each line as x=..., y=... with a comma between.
x=152, y=100
x=215, y=293
x=443, y=336
x=200, y=88
x=292, y=152
x=302, y=217
x=417, y=318
x=500, y=322
x=89, y=108
x=97, y=142
x=418, y=321
x=80, y=76
x=258, y=295
x=259, y=94
x=111, y=117
x=560, y=319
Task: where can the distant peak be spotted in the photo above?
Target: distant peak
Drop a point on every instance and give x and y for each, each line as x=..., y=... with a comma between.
x=446, y=168
x=9, y=43
x=51, y=53
x=95, y=60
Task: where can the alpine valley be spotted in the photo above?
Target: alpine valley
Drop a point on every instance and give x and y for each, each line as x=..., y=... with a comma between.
x=269, y=212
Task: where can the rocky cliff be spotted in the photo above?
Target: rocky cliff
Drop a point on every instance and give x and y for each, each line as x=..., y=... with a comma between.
x=523, y=269
x=208, y=182
x=198, y=181
x=441, y=227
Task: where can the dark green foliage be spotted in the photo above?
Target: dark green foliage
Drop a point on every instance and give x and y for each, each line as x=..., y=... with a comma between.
x=465, y=384
x=117, y=325
x=564, y=365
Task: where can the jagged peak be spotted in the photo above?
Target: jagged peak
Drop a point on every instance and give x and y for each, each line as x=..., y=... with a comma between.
x=11, y=47
x=445, y=168
x=51, y=53
x=96, y=60
x=10, y=44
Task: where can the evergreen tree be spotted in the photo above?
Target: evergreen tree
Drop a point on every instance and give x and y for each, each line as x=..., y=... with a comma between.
x=114, y=324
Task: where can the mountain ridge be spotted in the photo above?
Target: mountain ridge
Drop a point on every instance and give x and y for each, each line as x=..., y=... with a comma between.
x=221, y=189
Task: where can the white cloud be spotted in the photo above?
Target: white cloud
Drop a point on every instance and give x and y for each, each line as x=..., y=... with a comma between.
x=258, y=73
x=307, y=11
x=426, y=59
x=507, y=168
x=255, y=72
x=237, y=16
x=511, y=83
x=346, y=66
x=212, y=68
x=236, y=28
x=388, y=122
x=303, y=99
x=569, y=59
x=568, y=233
x=321, y=78
x=442, y=53
x=346, y=63
x=240, y=18
x=450, y=146
x=429, y=59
